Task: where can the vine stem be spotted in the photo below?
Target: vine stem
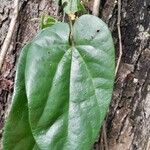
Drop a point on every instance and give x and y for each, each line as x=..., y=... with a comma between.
x=7, y=40
x=96, y=6
x=117, y=66
x=71, y=41
x=119, y=36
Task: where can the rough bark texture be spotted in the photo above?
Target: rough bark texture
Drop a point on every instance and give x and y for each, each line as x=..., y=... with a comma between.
x=128, y=122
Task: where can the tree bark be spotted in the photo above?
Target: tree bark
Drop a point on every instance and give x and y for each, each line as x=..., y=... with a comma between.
x=128, y=121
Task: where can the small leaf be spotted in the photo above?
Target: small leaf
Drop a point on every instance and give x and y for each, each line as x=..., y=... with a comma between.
x=62, y=92
x=47, y=21
x=71, y=7
x=81, y=7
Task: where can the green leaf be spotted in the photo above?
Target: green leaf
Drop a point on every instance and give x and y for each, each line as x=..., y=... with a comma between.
x=47, y=21
x=71, y=6
x=64, y=91
x=81, y=7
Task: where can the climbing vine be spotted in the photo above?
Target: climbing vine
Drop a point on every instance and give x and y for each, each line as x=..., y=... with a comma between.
x=63, y=84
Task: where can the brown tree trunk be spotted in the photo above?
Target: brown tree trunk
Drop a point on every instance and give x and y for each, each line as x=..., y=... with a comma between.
x=128, y=122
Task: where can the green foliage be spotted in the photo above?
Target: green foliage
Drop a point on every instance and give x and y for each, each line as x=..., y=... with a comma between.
x=81, y=7
x=62, y=92
x=47, y=21
x=72, y=6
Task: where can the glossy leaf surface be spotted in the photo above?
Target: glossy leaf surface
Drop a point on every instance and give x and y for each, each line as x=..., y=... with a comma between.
x=62, y=93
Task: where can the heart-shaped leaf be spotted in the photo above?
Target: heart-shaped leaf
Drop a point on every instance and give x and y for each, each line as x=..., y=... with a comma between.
x=62, y=92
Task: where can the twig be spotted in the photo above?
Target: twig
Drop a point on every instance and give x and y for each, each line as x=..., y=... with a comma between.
x=71, y=40
x=105, y=136
x=148, y=145
x=64, y=15
x=101, y=146
x=7, y=40
x=96, y=6
x=117, y=66
x=119, y=36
